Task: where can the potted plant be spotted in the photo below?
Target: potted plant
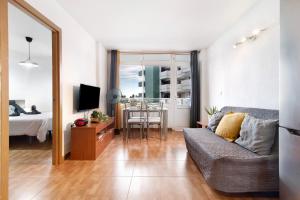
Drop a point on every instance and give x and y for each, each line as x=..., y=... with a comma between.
x=104, y=117
x=211, y=110
x=95, y=117
x=98, y=116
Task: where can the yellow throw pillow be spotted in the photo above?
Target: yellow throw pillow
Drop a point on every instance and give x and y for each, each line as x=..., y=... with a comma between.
x=230, y=126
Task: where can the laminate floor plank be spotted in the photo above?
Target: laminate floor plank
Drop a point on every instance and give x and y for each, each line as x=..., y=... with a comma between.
x=150, y=169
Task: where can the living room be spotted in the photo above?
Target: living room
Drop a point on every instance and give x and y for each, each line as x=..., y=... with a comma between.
x=160, y=100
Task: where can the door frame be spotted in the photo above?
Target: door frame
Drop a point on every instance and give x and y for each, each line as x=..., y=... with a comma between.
x=57, y=157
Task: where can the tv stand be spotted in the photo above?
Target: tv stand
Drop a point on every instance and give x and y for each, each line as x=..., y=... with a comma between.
x=89, y=141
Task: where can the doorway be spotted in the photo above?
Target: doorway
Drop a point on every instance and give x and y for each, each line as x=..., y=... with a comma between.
x=55, y=33
x=30, y=90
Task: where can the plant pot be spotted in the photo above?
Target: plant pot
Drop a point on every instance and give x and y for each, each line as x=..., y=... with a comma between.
x=95, y=120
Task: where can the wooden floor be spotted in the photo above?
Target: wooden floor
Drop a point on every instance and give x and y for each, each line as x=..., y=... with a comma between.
x=153, y=170
x=24, y=143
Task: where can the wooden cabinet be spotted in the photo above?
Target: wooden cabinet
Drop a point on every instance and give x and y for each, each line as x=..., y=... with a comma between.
x=89, y=141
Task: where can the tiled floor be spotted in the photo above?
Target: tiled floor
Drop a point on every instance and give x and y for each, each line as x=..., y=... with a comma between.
x=137, y=170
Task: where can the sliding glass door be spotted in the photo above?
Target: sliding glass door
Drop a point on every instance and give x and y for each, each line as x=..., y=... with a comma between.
x=159, y=77
x=182, y=91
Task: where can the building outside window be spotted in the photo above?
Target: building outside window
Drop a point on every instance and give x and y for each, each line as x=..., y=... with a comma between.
x=156, y=77
x=130, y=81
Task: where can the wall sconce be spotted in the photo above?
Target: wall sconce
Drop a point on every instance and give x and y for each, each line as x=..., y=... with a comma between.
x=255, y=33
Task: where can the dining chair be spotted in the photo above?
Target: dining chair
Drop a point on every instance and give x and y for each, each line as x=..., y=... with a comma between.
x=135, y=116
x=155, y=120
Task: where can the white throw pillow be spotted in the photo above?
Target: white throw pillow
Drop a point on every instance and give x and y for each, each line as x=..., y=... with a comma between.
x=11, y=110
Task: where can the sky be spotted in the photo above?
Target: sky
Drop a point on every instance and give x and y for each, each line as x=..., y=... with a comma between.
x=129, y=79
x=129, y=87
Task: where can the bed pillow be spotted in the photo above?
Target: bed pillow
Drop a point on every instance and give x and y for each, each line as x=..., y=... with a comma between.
x=214, y=121
x=13, y=111
x=18, y=108
x=257, y=135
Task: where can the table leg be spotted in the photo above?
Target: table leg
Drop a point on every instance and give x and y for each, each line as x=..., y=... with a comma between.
x=165, y=124
x=124, y=124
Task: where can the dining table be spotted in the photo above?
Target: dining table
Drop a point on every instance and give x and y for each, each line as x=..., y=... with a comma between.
x=127, y=111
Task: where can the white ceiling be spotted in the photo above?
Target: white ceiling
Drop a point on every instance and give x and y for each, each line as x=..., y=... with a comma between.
x=156, y=24
x=21, y=25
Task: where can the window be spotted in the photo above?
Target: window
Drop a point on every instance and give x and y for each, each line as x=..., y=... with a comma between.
x=157, y=81
x=156, y=76
x=165, y=82
x=151, y=83
x=131, y=81
x=183, y=80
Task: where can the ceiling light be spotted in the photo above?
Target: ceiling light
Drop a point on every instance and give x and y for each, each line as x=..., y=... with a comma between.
x=256, y=32
x=244, y=39
x=28, y=62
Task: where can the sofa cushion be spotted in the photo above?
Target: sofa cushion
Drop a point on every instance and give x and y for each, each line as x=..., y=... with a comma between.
x=254, y=112
x=214, y=121
x=214, y=146
x=257, y=135
x=230, y=126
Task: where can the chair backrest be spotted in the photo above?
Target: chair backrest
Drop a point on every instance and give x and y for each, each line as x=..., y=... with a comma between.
x=137, y=111
x=126, y=105
x=143, y=107
x=159, y=110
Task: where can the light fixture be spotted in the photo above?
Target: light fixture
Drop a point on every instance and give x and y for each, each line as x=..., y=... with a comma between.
x=28, y=62
x=255, y=33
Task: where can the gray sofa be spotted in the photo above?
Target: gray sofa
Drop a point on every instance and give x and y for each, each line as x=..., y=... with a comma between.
x=229, y=167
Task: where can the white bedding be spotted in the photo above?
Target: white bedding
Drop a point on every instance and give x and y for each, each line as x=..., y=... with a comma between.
x=31, y=125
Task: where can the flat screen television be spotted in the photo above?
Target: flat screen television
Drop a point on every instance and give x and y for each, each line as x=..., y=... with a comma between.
x=88, y=97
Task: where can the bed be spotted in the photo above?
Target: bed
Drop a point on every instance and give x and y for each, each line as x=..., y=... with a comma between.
x=31, y=125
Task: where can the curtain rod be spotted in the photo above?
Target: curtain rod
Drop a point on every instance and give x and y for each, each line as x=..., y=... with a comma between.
x=155, y=52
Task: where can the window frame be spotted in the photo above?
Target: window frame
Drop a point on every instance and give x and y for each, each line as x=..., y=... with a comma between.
x=172, y=63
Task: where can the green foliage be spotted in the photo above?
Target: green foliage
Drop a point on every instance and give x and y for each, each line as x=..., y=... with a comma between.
x=99, y=115
x=211, y=110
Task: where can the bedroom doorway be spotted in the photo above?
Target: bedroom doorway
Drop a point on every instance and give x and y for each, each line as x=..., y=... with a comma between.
x=30, y=90
x=55, y=34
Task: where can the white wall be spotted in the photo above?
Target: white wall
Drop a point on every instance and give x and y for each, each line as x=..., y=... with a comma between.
x=102, y=74
x=33, y=85
x=79, y=63
x=248, y=75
